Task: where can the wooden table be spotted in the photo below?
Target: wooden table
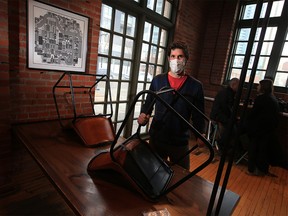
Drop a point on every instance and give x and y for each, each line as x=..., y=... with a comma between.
x=64, y=159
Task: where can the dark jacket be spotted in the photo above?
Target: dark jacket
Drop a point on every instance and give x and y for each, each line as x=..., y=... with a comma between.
x=264, y=116
x=222, y=107
x=167, y=125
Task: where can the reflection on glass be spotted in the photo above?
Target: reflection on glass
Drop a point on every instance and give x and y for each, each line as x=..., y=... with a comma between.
x=131, y=23
x=104, y=40
x=147, y=31
x=117, y=45
x=128, y=50
x=106, y=17
x=144, y=52
x=126, y=70
x=119, y=21
x=124, y=91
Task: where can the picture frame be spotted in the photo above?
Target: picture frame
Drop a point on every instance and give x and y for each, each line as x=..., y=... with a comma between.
x=57, y=38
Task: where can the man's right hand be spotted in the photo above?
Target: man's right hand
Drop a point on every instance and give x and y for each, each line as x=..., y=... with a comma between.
x=143, y=119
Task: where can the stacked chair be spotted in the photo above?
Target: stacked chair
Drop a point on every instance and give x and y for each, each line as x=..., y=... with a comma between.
x=139, y=165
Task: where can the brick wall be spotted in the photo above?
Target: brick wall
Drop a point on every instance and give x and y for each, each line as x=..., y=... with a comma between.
x=31, y=90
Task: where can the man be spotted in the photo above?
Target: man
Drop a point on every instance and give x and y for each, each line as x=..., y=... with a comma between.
x=222, y=108
x=169, y=136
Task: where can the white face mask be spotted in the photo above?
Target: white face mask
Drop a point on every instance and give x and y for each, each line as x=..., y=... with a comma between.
x=176, y=66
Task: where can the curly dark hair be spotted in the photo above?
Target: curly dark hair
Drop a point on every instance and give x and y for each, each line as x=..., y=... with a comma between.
x=179, y=45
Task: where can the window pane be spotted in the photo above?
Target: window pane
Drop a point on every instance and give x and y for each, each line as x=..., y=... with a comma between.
x=129, y=45
x=131, y=23
x=161, y=56
x=167, y=9
x=285, y=49
x=155, y=35
x=159, y=6
x=153, y=54
x=147, y=32
x=283, y=64
x=102, y=65
x=114, y=90
x=142, y=70
x=150, y=4
x=121, y=111
x=266, y=48
x=238, y=61
x=244, y=34
x=100, y=95
x=241, y=47
x=124, y=91
x=106, y=17
x=144, y=52
x=263, y=62
x=119, y=21
x=115, y=69
x=249, y=11
x=126, y=70
x=117, y=45
x=277, y=8
x=270, y=33
x=104, y=40
x=281, y=80
x=159, y=70
x=163, y=38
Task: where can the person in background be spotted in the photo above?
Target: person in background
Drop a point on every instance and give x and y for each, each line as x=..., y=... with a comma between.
x=261, y=127
x=169, y=136
x=222, y=109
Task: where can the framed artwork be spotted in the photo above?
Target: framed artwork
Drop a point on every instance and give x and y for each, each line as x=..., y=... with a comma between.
x=57, y=38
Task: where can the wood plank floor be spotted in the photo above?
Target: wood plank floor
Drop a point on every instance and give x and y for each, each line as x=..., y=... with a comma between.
x=34, y=194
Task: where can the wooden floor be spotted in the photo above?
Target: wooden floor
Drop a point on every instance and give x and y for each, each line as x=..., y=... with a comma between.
x=33, y=194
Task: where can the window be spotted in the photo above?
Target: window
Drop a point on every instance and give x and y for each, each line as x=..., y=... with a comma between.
x=272, y=60
x=131, y=51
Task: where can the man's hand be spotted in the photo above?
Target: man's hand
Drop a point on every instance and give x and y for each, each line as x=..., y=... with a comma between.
x=143, y=119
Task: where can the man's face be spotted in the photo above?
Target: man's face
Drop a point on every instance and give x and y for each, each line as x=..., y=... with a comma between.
x=177, y=54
